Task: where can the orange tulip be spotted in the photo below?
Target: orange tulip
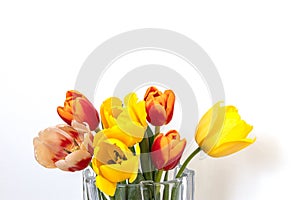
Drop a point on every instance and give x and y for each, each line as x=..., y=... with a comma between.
x=159, y=106
x=167, y=150
x=65, y=147
x=78, y=107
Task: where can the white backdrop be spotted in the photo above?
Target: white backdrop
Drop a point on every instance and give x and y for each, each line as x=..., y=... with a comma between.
x=255, y=46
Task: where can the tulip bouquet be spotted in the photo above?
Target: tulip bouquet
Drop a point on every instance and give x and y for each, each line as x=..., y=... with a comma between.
x=129, y=147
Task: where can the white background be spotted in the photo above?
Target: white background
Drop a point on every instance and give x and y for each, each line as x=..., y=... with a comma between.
x=255, y=46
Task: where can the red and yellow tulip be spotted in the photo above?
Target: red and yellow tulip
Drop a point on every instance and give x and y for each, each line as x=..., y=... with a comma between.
x=113, y=162
x=159, y=106
x=221, y=131
x=167, y=150
x=65, y=147
x=78, y=107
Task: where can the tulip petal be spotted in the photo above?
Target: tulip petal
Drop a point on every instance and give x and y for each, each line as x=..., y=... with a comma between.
x=239, y=131
x=120, y=172
x=157, y=114
x=136, y=109
x=117, y=133
x=130, y=128
x=78, y=107
x=75, y=161
x=209, y=126
x=160, y=151
x=105, y=185
x=66, y=116
x=43, y=154
x=230, y=147
x=170, y=102
x=109, y=110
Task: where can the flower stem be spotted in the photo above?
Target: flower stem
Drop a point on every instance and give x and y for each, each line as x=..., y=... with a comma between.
x=157, y=130
x=186, y=162
x=158, y=176
x=166, y=188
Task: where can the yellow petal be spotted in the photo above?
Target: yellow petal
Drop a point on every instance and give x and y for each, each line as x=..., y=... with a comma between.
x=109, y=110
x=105, y=185
x=137, y=110
x=230, y=147
x=130, y=128
x=120, y=172
x=117, y=133
x=239, y=131
x=208, y=129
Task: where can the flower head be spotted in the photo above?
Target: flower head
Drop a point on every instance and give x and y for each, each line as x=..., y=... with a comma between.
x=128, y=123
x=113, y=162
x=65, y=147
x=167, y=150
x=221, y=131
x=78, y=107
x=159, y=106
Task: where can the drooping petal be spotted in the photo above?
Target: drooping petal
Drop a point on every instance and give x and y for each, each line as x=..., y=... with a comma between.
x=105, y=185
x=63, y=147
x=43, y=154
x=120, y=172
x=75, y=161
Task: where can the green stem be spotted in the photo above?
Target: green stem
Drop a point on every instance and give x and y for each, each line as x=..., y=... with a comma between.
x=146, y=162
x=186, y=162
x=157, y=130
x=157, y=187
x=158, y=176
x=166, y=188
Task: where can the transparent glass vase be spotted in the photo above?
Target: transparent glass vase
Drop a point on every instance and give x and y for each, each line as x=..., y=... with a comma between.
x=174, y=189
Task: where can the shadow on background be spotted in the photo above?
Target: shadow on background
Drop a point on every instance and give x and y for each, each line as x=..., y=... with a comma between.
x=236, y=176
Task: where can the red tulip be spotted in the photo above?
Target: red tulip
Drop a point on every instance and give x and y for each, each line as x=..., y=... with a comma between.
x=78, y=107
x=65, y=147
x=159, y=106
x=167, y=150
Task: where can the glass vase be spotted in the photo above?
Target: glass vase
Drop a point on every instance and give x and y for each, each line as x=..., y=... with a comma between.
x=174, y=189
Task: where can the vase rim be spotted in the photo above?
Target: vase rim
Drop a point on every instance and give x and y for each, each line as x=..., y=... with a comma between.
x=90, y=174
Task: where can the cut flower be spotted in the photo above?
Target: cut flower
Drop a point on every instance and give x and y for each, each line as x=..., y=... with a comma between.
x=113, y=162
x=221, y=131
x=127, y=124
x=65, y=147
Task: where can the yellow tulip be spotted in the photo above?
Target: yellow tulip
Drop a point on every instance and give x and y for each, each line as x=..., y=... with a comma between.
x=127, y=123
x=221, y=131
x=113, y=162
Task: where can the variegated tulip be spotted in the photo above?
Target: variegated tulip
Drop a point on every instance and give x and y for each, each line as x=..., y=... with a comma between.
x=167, y=150
x=221, y=131
x=78, y=107
x=159, y=106
x=113, y=162
x=68, y=148
x=127, y=123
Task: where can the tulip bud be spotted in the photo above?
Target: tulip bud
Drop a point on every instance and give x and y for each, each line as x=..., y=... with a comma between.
x=77, y=107
x=159, y=106
x=167, y=150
